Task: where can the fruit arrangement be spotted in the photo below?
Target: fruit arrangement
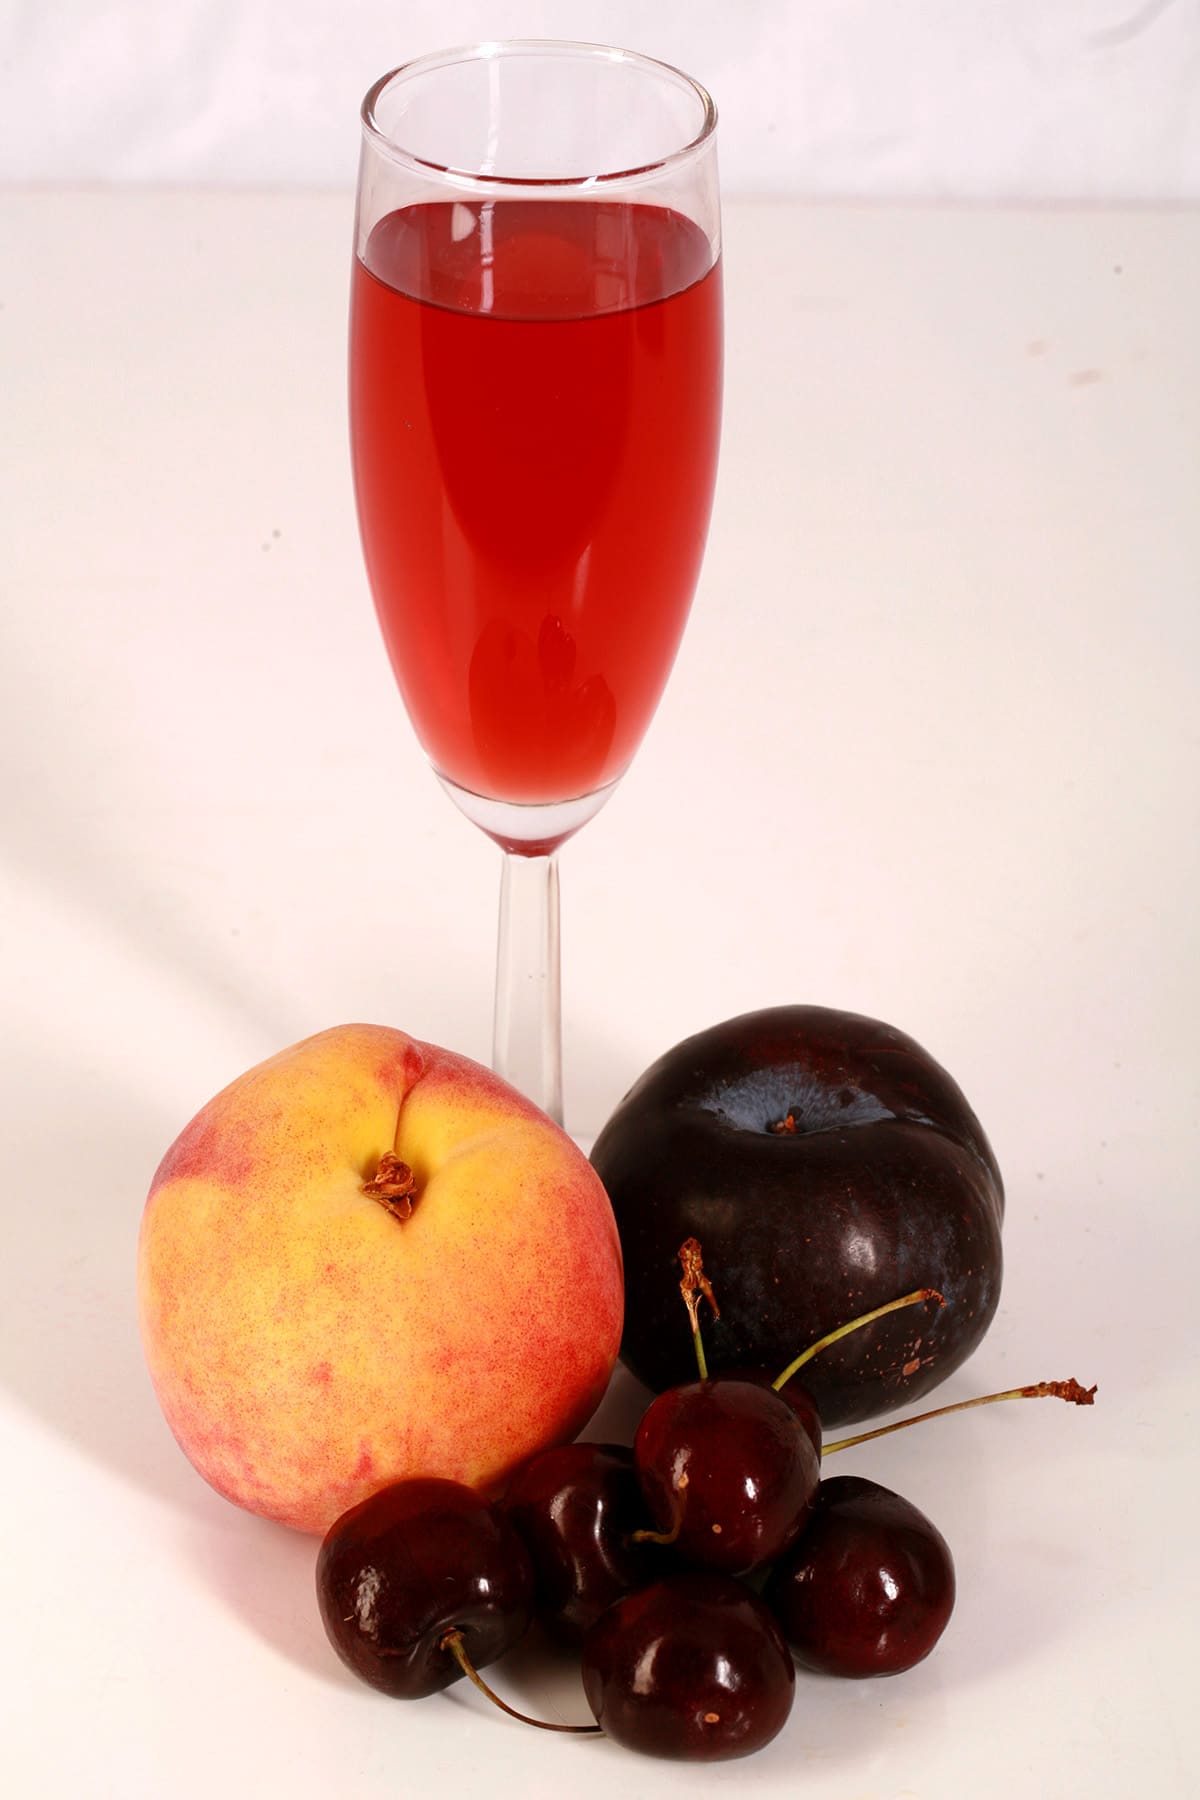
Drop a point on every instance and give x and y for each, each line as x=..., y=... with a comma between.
x=380, y=1293
x=691, y=1573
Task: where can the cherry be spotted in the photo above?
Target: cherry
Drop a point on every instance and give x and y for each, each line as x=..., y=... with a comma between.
x=418, y=1572
x=869, y=1588
x=793, y=1391
x=693, y=1667
x=801, y=1401
x=576, y=1508
x=727, y=1473
x=728, y=1469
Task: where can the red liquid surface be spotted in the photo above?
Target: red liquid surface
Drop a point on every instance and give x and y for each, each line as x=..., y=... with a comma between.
x=535, y=392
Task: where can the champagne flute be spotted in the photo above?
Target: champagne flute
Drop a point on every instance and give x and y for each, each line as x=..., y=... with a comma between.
x=535, y=395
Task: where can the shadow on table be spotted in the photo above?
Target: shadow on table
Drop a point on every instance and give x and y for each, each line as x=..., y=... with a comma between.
x=80, y=1159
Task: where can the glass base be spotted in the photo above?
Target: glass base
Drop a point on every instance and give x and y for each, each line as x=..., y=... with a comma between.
x=528, y=830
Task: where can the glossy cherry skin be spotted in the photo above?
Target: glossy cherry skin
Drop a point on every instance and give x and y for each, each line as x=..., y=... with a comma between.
x=727, y=1471
x=693, y=1667
x=869, y=1587
x=398, y=1571
x=798, y=1397
x=576, y=1508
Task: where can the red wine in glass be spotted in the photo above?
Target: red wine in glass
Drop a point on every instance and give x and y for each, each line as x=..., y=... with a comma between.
x=535, y=437
x=535, y=386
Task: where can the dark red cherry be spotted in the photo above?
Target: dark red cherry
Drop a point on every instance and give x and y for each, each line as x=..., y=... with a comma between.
x=794, y=1392
x=416, y=1560
x=694, y=1667
x=869, y=1587
x=727, y=1471
x=576, y=1508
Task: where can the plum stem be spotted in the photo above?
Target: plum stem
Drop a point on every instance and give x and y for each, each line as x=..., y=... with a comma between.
x=1038, y=1390
x=867, y=1318
x=452, y=1641
x=694, y=1284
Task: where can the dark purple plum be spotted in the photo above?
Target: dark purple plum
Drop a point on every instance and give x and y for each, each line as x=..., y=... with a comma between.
x=693, y=1667
x=827, y=1164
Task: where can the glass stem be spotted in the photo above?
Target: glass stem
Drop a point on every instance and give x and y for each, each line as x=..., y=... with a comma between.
x=527, y=1041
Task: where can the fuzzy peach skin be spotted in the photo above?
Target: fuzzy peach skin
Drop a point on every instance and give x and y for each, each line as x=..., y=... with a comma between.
x=307, y=1346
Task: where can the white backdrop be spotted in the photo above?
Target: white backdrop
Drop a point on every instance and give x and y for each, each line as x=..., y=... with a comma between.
x=1091, y=99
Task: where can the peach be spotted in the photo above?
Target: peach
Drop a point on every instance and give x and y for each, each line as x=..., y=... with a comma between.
x=370, y=1258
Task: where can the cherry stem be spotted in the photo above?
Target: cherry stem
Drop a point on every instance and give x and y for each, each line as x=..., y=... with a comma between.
x=1037, y=1390
x=453, y=1642
x=694, y=1284
x=868, y=1318
x=646, y=1536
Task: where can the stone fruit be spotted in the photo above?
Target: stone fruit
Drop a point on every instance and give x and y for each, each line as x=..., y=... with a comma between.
x=417, y=1561
x=728, y=1472
x=577, y=1508
x=794, y=1392
x=827, y=1164
x=694, y=1667
x=370, y=1259
x=869, y=1588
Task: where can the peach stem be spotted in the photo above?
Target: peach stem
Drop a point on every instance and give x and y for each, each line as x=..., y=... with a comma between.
x=394, y=1185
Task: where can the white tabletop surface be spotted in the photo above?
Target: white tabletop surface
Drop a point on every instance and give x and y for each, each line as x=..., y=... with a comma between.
x=929, y=752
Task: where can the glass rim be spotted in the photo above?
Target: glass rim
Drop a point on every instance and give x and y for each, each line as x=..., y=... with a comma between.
x=498, y=47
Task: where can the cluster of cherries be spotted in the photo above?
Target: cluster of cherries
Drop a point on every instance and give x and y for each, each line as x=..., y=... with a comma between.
x=690, y=1573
